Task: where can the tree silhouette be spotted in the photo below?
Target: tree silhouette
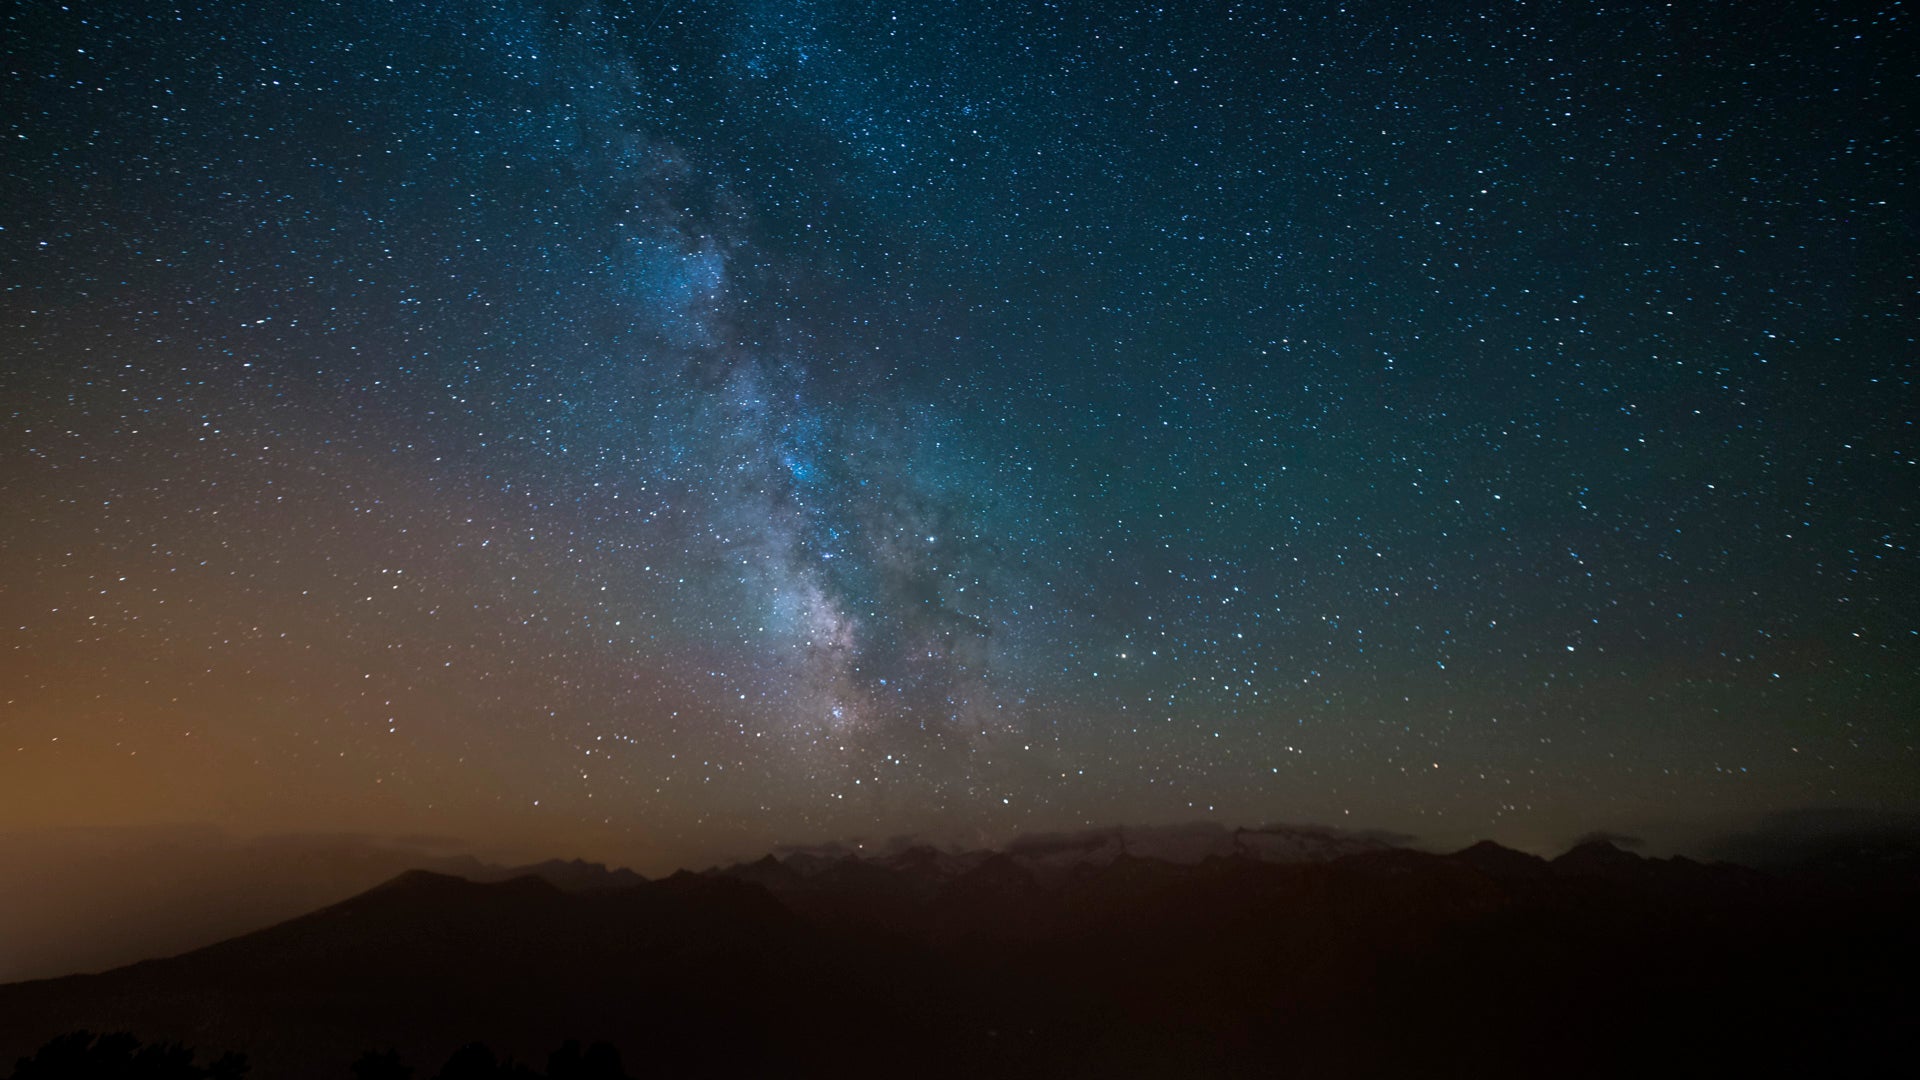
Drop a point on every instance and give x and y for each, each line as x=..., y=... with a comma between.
x=475, y=1061
x=81, y=1055
x=598, y=1062
x=165, y=1061
x=382, y=1065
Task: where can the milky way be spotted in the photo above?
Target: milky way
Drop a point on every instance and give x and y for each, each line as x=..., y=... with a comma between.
x=660, y=430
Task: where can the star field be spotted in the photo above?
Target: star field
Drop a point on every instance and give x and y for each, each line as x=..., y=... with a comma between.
x=658, y=430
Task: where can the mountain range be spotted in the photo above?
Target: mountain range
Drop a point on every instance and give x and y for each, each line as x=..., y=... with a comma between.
x=1310, y=954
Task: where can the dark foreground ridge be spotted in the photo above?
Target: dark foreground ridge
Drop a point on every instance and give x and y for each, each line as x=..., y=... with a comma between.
x=1332, y=958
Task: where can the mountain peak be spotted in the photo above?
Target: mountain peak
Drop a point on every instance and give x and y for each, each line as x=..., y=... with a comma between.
x=1501, y=863
x=574, y=875
x=437, y=887
x=1598, y=851
x=417, y=880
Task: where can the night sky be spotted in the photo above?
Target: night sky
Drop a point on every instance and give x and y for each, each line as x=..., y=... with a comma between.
x=658, y=431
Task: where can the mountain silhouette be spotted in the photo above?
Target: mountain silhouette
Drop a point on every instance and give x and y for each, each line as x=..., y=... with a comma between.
x=1378, y=961
x=569, y=875
x=1503, y=864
